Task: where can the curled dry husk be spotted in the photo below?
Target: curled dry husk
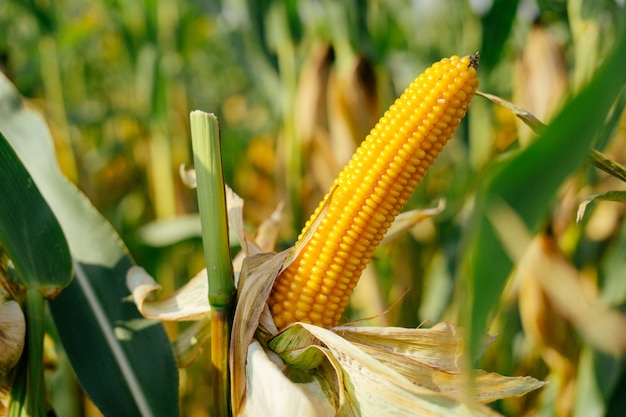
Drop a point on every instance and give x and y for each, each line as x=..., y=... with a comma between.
x=355, y=371
x=12, y=333
x=306, y=370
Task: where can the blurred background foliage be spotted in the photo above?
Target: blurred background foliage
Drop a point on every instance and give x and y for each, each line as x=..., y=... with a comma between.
x=296, y=86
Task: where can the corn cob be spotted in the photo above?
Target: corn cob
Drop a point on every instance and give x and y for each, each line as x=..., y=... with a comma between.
x=370, y=192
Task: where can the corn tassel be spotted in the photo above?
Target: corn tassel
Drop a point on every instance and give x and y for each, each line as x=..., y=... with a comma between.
x=370, y=192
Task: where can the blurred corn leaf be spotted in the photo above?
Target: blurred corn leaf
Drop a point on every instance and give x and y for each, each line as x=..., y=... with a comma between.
x=123, y=361
x=606, y=164
x=517, y=191
x=497, y=25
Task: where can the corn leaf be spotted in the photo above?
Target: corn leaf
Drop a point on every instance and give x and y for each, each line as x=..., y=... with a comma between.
x=123, y=361
x=524, y=115
x=527, y=181
x=29, y=231
x=608, y=165
x=497, y=24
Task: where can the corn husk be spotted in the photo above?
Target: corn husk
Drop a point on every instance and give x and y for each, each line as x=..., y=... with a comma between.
x=308, y=370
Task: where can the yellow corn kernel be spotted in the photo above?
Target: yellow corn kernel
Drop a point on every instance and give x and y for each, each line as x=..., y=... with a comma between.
x=371, y=191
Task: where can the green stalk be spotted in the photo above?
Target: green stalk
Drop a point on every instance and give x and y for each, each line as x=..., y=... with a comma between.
x=19, y=387
x=205, y=138
x=36, y=404
x=28, y=396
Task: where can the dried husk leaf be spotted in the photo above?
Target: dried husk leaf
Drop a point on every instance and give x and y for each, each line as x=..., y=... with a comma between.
x=191, y=302
x=12, y=333
x=440, y=346
x=486, y=387
x=188, y=303
x=256, y=280
x=272, y=394
x=433, y=358
x=267, y=233
x=370, y=387
x=234, y=205
x=263, y=241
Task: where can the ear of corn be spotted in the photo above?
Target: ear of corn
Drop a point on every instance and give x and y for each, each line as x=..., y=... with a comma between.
x=370, y=192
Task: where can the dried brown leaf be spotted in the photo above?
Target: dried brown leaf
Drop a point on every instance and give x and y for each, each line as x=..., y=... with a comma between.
x=256, y=280
x=562, y=285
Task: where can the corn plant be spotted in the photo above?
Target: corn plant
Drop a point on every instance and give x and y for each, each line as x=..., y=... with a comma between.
x=526, y=241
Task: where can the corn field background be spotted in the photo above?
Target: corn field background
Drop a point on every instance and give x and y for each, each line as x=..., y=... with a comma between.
x=296, y=86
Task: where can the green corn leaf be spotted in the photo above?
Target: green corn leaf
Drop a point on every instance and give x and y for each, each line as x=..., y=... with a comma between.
x=123, y=361
x=517, y=192
x=29, y=231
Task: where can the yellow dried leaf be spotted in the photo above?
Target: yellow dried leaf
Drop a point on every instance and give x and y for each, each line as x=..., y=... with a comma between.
x=440, y=346
x=370, y=387
x=256, y=280
x=545, y=267
x=433, y=358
